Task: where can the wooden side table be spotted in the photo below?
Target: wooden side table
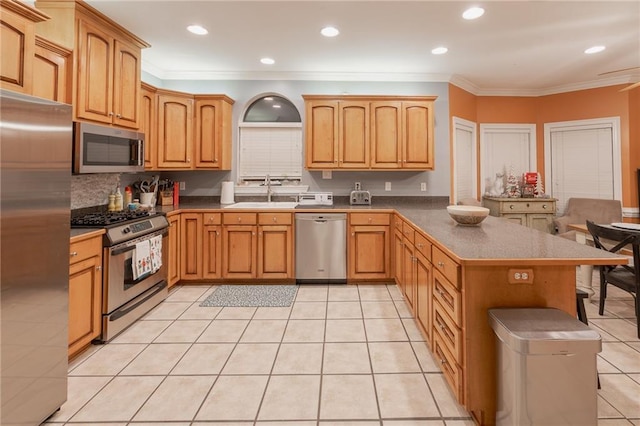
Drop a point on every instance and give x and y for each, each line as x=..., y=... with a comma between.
x=537, y=213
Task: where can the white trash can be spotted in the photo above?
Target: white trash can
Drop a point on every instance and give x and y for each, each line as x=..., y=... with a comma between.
x=546, y=363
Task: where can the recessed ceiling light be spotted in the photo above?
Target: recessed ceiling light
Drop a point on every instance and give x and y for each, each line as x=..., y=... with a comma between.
x=594, y=49
x=197, y=29
x=439, y=50
x=329, y=31
x=267, y=61
x=473, y=13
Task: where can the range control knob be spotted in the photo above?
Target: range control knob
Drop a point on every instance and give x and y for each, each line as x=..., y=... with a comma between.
x=126, y=230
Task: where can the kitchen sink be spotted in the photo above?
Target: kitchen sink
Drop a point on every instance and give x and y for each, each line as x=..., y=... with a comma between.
x=263, y=205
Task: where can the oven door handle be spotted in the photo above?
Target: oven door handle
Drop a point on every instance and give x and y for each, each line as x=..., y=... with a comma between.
x=127, y=308
x=121, y=250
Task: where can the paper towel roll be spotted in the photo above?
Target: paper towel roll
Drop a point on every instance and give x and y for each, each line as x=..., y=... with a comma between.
x=226, y=195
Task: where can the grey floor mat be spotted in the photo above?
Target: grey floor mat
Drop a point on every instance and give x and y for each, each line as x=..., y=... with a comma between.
x=252, y=295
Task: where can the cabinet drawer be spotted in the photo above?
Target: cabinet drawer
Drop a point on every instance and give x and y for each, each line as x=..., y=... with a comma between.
x=408, y=232
x=447, y=266
x=369, y=218
x=451, y=370
x=81, y=250
x=449, y=298
x=239, y=218
x=449, y=332
x=527, y=207
x=398, y=223
x=212, y=218
x=423, y=245
x=274, y=218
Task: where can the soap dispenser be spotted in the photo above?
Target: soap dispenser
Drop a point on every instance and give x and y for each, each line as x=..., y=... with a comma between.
x=118, y=199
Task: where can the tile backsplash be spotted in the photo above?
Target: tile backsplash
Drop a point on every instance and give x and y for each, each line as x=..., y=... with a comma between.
x=92, y=189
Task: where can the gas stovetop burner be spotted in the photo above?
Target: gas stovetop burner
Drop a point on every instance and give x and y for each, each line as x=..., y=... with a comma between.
x=101, y=219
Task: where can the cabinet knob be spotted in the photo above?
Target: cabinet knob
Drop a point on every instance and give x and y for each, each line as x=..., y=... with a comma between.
x=218, y=233
x=441, y=264
x=275, y=219
x=73, y=253
x=98, y=268
x=253, y=233
x=111, y=114
x=443, y=361
x=544, y=206
x=420, y=245
x=188, y=160
x=119, y=115
x=511, y=206
x=215, y=159
x=353, y=234
x=239, y=219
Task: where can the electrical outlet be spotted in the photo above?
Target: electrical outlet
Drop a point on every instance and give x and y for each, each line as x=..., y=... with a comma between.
x=326, y=174
x=423, y=186
x=387, y=186
x=358, y=186
x=520, y=276
x=183, y=186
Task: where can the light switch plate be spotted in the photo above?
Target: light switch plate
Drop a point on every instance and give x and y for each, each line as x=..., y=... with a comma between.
x=387, y=186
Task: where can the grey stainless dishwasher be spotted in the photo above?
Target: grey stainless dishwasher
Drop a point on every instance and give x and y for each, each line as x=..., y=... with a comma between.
x=321, y=248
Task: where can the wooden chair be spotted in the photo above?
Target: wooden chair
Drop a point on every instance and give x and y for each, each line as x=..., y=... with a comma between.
x=625, y=277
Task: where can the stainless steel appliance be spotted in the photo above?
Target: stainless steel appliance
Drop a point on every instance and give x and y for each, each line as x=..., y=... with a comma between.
x=35, y=172
x=321, y=248
x=125, y=297
x=102, y=149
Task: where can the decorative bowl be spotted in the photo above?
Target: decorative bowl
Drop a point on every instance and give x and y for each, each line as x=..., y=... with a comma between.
x=468, y=215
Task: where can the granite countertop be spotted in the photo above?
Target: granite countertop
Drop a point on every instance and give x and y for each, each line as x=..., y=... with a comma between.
x=494, y=241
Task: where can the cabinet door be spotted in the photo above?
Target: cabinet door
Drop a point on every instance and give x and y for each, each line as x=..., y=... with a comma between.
x=52, y=65
x=191, y=246
x=149, y=126
x=212, y=143
x=321, y=134
x=17, y=42
x=398, y=251
x=175, y=130
x=353, y=135
x=369, y=252
x=95, y=73
x=173, y=269
x=540, y=221
x=126, y=85
x=520, y=219
x=417, y=135
x=275, y=251
x=85, y=298
x=409, y=275
x=423, y=297
x=386, y=135
x=212, y=252
x=239, y=246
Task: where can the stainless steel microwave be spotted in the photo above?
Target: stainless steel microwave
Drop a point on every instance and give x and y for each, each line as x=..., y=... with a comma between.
x=102, y=149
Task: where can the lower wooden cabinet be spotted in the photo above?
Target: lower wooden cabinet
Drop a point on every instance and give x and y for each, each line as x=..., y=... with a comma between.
x=423, y=304
x=212, y=246
x=85, y=292
x=191, y=246
x=369, y=246
x=275, y=246
x=173, y=268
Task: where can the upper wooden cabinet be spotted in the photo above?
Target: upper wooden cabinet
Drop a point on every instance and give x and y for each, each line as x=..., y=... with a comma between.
x=212, y=145
x=52, y=66
x=106, y=84
x=149, y=125
x=185, y=131
x=18, y=43
x=369, y=132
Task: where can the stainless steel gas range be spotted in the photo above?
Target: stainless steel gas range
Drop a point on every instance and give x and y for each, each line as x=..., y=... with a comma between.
x=132, y=284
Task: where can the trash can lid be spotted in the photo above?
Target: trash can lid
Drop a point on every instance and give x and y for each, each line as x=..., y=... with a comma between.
x=543, y=331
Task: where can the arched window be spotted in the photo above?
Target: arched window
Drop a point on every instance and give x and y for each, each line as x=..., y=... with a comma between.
x=270, y=141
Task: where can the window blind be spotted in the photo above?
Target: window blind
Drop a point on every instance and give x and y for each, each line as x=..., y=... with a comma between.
x=273, y=151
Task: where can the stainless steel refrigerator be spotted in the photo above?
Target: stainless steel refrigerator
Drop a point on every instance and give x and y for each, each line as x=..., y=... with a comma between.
x=35, y=187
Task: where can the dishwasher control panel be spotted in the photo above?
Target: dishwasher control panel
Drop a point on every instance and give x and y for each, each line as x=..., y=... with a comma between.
x=359, y=197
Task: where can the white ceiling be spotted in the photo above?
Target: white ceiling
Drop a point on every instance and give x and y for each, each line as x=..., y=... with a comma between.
x=517, y=47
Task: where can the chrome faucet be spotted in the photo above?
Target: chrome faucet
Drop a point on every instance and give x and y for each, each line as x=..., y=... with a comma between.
x=267, y=183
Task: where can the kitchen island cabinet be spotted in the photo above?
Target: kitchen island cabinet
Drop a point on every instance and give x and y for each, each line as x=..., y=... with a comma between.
x=85, y=290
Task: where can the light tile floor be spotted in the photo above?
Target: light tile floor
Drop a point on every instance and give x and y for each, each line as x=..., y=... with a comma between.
x=341, y=355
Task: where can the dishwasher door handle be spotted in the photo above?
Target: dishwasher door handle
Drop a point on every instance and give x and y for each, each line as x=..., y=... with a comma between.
x=320, y=221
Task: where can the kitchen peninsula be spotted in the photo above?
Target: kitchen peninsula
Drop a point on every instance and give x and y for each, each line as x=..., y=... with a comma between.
x=451, y=275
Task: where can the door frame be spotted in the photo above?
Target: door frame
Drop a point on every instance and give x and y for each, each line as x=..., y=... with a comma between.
x=462, y=124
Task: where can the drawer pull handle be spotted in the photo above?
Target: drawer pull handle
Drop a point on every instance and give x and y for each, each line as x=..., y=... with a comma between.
x=73, y=253
x=441, y=264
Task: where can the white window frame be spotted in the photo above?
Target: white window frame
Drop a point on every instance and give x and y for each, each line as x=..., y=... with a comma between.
x=488, y=128
x=612, y=123
x=462, y=124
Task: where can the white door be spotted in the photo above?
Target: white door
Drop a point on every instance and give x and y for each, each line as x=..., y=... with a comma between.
x=465, y=167
x=583, y=160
